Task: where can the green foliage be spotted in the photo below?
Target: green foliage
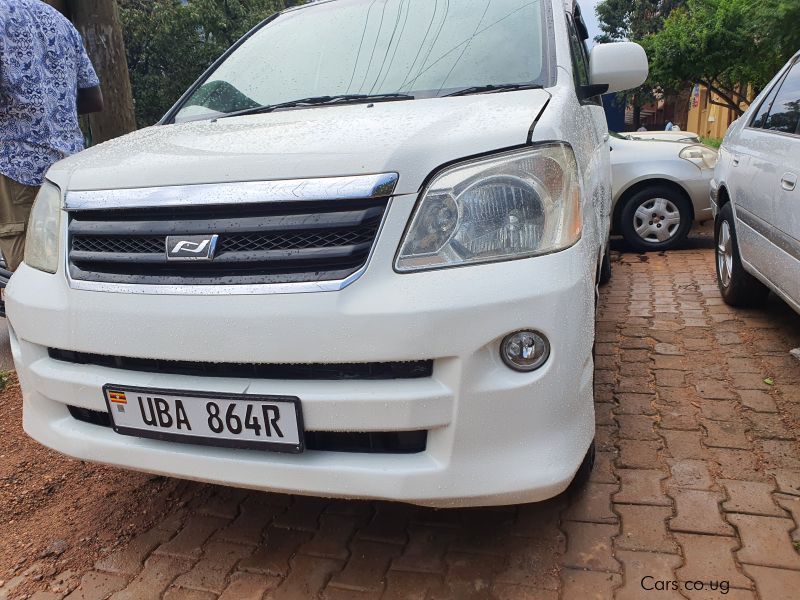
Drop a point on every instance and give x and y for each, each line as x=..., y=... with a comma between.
x=171, y=42
x=711, y=142
x=725, y=45
x=5, y=378
x=634, y=20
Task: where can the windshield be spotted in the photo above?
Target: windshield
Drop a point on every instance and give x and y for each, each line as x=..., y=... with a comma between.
x=422, y=48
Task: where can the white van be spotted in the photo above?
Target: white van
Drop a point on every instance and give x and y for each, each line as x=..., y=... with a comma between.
x=357, y=259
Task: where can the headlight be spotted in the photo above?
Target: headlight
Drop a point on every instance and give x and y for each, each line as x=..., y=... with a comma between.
x=513, y=205
x=44, y=230
x=702, y=156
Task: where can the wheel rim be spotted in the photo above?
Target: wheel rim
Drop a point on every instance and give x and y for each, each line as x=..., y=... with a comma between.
x=657, y=220
x=725, y=254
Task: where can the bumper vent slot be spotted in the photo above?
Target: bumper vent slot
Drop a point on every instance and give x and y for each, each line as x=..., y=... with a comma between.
x=319, y=371
x=379, y=442
x=270, y=243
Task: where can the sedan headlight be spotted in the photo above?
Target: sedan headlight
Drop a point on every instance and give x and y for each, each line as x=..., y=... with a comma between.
x=513, y=205
x=44, y=230
x=702, y=156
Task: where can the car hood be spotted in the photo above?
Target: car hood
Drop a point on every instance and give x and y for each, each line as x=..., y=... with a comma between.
x=411, y=138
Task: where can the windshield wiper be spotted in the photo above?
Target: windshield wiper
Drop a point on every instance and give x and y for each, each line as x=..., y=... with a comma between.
x=500, y=87
x=319, y=101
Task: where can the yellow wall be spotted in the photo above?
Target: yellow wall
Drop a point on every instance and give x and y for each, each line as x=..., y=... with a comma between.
x=705, y=118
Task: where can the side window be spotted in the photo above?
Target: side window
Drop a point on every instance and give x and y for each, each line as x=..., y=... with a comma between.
x=580, y=62
x=763, y=110
x=784, y=115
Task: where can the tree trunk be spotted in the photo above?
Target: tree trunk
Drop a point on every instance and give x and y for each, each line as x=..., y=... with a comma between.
x=637, y=115
x=98, y=23
x=682, y=102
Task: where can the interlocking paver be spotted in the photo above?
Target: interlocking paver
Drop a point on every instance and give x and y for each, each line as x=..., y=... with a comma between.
x=775, y=584
x=591, y=585
x=425, y=550
x=710, y=556
x=129, y=559
x=644, y=528
x=766, y=541
x=698, y=512
x=210, y=573
x=273, y=557
x=332, y=537
x=739, y=464
x=589, y=546
x=523, y=558
x=726, y=434
x=636, y=454
x=684, y=444
x=635, y=404
x=750, y=497
x=158, y=573
x=249, y=586
x=791, y=504
x=365, y=570
x=404, y=585
x=97, y=586
x=639, y=566
x=593, y=504
x=642, y=486
x=179, y=593
x=307, y=578
x=189, y=540
x=636, y=427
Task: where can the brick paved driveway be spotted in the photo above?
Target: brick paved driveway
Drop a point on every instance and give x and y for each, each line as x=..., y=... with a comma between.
x=697, y=480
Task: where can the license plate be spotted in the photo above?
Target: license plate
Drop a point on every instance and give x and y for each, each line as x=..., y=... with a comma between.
x=227, y=420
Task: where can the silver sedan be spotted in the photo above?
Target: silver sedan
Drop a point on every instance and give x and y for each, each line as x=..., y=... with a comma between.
x=660, y=189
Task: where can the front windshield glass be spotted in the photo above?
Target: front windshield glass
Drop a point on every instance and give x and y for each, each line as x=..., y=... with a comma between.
x=421, y=48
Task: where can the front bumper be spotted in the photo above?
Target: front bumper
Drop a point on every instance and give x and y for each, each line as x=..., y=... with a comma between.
x=713, y=195
x=494, y=436
x=697, y=188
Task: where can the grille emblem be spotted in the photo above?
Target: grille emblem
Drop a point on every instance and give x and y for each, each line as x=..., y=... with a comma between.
x=191, y=247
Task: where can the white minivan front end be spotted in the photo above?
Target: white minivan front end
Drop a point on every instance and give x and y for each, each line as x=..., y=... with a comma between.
x=387, y=294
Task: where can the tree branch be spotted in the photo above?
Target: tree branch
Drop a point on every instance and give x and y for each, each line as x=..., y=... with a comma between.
x=729, y=101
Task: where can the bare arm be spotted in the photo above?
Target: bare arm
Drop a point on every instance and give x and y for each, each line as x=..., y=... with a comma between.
x=90, y=100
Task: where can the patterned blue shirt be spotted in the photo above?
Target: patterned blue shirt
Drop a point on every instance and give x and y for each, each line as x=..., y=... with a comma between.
x=42, y=65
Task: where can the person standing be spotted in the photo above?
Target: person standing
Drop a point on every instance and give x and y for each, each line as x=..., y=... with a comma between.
x=46, y=80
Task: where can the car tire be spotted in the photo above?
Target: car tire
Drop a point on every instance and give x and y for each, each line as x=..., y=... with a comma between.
x=736, y=286
x=655, y=218
x=584, y=471
x=605, y=269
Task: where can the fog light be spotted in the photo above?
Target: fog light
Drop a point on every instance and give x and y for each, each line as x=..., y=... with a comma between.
x=525, y=350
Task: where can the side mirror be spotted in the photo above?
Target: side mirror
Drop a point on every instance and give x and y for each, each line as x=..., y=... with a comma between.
x=616, y=67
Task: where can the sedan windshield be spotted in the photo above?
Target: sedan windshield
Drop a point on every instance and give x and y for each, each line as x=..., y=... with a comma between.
x=419, y=48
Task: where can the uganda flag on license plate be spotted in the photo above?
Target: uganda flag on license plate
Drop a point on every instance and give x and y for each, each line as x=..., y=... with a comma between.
x=118, y=397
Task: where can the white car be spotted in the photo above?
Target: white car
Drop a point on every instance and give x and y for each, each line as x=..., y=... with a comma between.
x=660, y=189
x=384, y=289
x=687, y=137
x=755, y=197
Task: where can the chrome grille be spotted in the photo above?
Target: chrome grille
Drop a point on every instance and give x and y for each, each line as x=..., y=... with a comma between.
x=274, y=242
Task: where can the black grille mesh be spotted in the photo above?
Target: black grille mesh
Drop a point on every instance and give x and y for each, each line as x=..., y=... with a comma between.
x=297, y=241
x=121, y=244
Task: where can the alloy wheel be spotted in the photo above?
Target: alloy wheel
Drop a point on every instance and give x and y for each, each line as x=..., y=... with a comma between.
x=725, y=254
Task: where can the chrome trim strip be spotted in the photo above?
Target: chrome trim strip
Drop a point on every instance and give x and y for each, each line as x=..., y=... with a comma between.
x=774, y=235
x=303, y=287
x=357, y=187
